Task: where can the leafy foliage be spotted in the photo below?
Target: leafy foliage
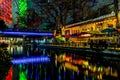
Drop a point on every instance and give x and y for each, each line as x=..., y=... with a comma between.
x=3, y=26
x=31, y=21
x=4, y=63
x=62, y=11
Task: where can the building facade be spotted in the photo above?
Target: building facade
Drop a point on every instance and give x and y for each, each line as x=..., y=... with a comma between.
x=96, y=24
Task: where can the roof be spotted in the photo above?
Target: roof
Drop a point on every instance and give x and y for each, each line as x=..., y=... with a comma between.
x=92, y=20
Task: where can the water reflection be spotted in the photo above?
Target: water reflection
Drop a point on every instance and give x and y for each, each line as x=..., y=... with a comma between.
x=17, y=51
x=62, y=66
x=93, y=70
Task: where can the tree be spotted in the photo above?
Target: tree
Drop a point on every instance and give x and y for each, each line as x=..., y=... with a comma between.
x=31, y=21
x=60, y=11
x=3, y=26
x=4, y=63
x=104, y=10
x=83, y=10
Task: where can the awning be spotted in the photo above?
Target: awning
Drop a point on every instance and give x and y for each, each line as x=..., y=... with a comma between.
x=84, y=34
x=109, y=30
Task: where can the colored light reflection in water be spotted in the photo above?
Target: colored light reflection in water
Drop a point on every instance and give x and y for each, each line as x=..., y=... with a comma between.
x=90, y=71
x=40, y=72
x=59, y=73
x=59, y=77
x=30, y=60
x=64, y=75
x=37, y=74
x=72, y=75
x=93, y=78
x=15, y=50
x=65, y=69
x=86, y=78
x=22, y=73
x=45, y=78
x=10, y=74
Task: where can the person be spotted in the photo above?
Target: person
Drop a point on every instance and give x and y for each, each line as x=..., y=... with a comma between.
x=90, y=42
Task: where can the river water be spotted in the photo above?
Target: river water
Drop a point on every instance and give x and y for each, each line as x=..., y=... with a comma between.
x=46, y=64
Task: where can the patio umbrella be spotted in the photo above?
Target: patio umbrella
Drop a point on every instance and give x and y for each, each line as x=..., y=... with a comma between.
x=109, y=30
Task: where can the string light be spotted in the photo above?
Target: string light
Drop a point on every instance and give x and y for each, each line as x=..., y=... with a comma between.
x=6, y=10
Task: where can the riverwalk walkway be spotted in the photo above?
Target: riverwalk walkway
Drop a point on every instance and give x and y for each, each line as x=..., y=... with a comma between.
x=73, y=46
x=86, y=50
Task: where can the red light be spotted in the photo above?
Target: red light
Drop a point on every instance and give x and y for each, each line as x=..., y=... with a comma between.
x=9, y=76
x=6, y=11
x=80, y=61
x=68, y=58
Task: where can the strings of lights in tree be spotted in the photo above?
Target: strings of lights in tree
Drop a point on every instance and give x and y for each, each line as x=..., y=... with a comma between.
x=22, y=10
x=6, y=10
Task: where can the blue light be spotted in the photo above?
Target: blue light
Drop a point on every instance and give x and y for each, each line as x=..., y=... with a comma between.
x=28, y=33
x=30, y=60
x=59, y=77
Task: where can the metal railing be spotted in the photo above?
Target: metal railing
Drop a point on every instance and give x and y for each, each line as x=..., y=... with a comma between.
x=85, y=45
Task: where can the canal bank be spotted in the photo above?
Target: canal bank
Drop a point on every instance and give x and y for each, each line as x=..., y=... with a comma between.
x=113, y=54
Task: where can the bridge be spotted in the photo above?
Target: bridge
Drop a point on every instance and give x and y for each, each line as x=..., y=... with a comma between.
x=22, y=37
x=25, y=34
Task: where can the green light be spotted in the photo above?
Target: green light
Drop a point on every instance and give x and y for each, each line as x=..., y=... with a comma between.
x=9, y=51
x=20, y=66
x=22, y=76
x=59, y=70
x=22, y=11
x=93, y=78
x=22, y=7
x=84, y=77
x=22, y=73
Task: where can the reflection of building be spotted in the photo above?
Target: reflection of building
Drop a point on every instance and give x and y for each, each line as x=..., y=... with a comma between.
x=11, y=40
x=70, y=66
x=87, y=67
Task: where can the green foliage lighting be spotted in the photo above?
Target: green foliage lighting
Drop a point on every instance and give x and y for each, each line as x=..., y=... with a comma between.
x=22, y=11
x=22, y=7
